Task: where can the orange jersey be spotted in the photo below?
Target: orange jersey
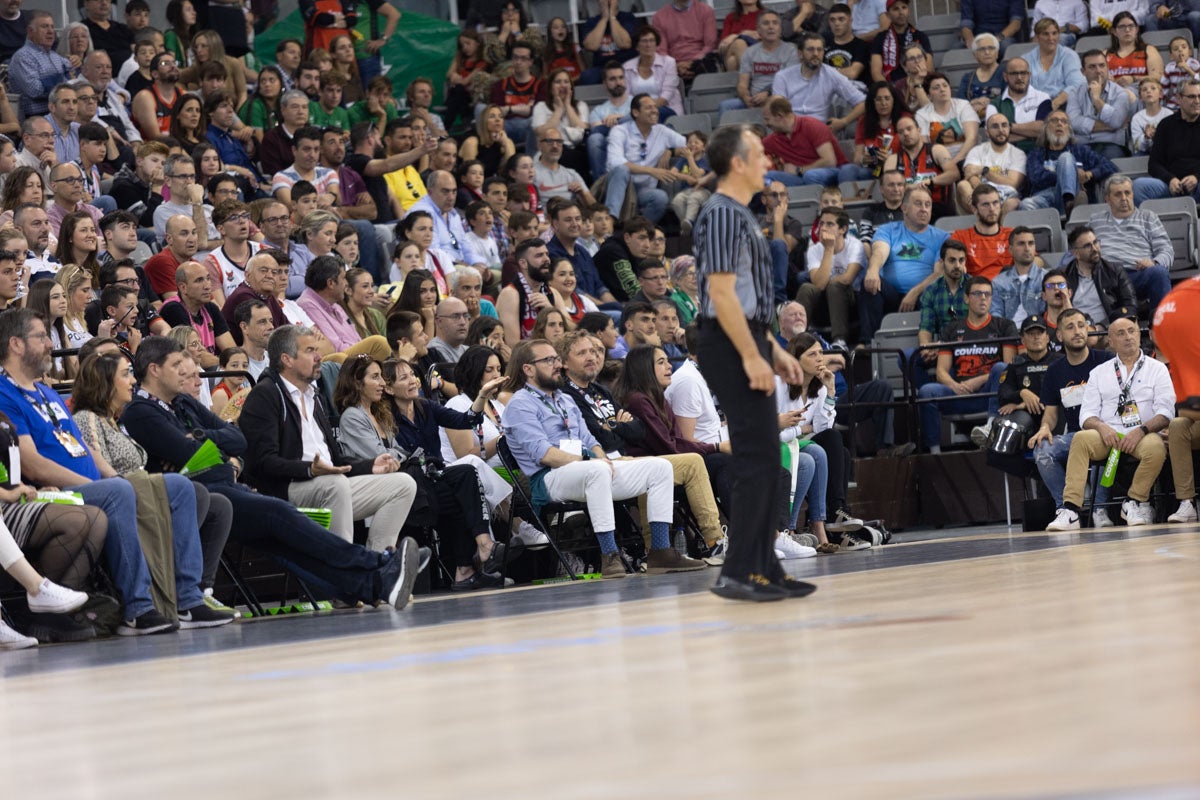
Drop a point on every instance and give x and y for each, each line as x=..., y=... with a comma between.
x=1175, y=334
x=986, y=255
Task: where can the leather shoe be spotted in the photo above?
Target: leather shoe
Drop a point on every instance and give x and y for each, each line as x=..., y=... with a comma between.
x=478, y=580
x=793, y=587
x=754, y=588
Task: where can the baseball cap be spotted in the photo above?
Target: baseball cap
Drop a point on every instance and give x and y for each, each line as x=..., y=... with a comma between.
x=1034, y=321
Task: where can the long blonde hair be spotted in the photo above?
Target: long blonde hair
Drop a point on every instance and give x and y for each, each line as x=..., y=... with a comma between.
x=71, y=277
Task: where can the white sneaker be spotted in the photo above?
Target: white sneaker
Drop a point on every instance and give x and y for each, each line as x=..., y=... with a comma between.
x=716, y=554
x=54, y=599
x=1185, y=513
x=11, y=640
x=853, y=543
x=1100, y=519
x=980, y=434
x=1135, y=513
x=1067, y=520
x=843, y=522
x=786, y=546
x=530, y=536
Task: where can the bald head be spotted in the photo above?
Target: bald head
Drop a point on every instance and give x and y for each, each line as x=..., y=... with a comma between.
x=451, y=321
x=97, y=69
x=181, y=236
x=443, y=189
x=67, y=169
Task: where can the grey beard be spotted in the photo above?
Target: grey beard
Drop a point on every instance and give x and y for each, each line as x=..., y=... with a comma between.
x=1058, y=142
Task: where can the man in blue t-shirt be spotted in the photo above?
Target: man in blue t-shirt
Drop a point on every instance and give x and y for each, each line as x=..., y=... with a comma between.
x=1062, y=395
x=904, y=261
x=53, y=453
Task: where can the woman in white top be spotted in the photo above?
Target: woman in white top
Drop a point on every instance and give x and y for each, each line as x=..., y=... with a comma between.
x=77, y=283
x=654, y=74
x=49, y=299
x=187, y=336
x=947, y=120
x=561, y=110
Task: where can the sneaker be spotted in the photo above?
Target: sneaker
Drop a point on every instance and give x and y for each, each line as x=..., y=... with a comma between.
x=755, y=588
x=148, y=623
x=1067, y=520
x=1185, y=513
x=779, y=554
x=980, y=434
x=212, y=602
x=611, y=566
x=1135, y=513
x=806, y=540
x=202, y=616
x=791, y=549
x=12, y=640
x=57, y=628
x=399, y=574
x=716, y=553
x=54, y=599
x=478, y=580
x=1100, y=519
x=843, y=522
x=827, y=548
x=668, y=559
x=533, y=538
x=853, y=543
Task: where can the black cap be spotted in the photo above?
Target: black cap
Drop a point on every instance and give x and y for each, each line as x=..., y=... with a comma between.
x=1124, y=312
x=1034, y=321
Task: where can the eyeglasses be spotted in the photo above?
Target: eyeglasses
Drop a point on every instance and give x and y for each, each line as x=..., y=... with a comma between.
x=76, y=181
x=458, y=317
x=547, y=360
x=243, y=217
x=44, y=135
x=275, y=220
x=980, y=293
x=127, y=281
x=552, y=141
x=1018, y=73
x=190, y=176
x=1086, y=245
x=1055, y=285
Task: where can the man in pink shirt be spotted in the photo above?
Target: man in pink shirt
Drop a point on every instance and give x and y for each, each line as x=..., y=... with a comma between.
x=689, y=35
x=325, y=286
x=803, y=148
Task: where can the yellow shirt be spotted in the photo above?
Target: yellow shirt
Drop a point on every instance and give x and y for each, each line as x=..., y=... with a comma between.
x=406, y=186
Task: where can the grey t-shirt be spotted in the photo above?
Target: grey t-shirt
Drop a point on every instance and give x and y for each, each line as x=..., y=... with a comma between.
x=1087, y=300
x=761, y=65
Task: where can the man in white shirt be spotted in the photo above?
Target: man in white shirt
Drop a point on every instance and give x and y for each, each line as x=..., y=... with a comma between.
x=835, y=267
x=1025, y=107
x=606, y=116
x=1126, y=402
x=996, y=162
x=634, y=150
x=691, y=399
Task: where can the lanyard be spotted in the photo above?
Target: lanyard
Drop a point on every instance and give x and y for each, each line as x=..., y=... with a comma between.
x=1127, y=386
x=42, y=404
x=584, y=392
x=553, y=406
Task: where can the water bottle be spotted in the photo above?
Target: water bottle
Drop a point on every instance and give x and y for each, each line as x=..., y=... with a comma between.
x=1110, y=466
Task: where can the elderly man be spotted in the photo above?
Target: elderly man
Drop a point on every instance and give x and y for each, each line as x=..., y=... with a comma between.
x=997, y=163
x=1135, y=239
x=451, y=320
x=36, y=68
x=111, y=99
x=449, y=231
x=13, y=28
x=263, y=274
x=193, y=305
x=66, y=187
x=1126, y=402
x=635, y=149
x=1100, y=109
x=1175, y=155
x=804, y=150
x=904, y=261
x=1024, y=107
x=275, y=154
x=181, y=240
x=1060, y=169
x=811, y=85
x=761, y=62
x=37, y=137
x=467, y=285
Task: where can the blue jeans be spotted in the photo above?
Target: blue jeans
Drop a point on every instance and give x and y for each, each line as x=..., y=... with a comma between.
x=115, y=497
x=368, y=68
x=1147, y=188
x=853, y=172
x=873, y=307
x=732, y=104
x=597, y=149
x=1067, y=185
x=818, y=176
x=1151, y=283
x=1108, y=149
x=918, y=370
x=105, y=203
x=520, y=130
x=1184, y=19
x=812, y=479
x=185, y=527
x=652, y=201
x=931, y=413
x=1051, y=460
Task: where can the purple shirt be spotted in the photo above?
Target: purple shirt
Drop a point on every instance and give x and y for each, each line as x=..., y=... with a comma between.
x=330, y=319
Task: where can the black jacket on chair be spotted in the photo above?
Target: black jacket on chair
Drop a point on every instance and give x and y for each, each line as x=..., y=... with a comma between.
x=270, y=421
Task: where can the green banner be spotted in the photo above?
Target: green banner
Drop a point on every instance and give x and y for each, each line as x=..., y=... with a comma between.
x=422, y=47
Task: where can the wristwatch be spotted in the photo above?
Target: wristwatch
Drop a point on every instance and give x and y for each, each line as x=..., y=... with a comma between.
x=1145, y=430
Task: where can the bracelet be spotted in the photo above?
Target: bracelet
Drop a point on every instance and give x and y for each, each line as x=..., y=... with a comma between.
x=831, y=401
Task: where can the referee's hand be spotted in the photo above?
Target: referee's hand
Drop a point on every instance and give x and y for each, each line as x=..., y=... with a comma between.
x=762, y=377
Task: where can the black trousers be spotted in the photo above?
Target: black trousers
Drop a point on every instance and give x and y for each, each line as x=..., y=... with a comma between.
x=754, y=463
x=456, y=502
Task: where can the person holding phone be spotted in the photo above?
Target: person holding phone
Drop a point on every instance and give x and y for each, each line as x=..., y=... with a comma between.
x=120, y=316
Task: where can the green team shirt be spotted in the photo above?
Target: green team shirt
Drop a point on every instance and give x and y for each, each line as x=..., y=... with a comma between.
x=338, y=118
x=359, y=113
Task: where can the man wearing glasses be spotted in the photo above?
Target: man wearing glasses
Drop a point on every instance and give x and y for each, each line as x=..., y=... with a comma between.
x=36, y=68
x=187, y=198
x=451, y=321
x=1175, y=156
x=449, y=231
x=66, y=187
x=517, y=93
x=154, y=106
x=969, y=362
x=1024, y=106
x=552, y=178
x=1098, y=288
x=37, y=138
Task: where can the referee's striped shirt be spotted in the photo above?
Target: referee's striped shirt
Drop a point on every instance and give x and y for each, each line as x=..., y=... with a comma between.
x=727, y=238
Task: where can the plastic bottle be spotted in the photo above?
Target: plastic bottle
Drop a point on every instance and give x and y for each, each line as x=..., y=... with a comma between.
x=1110, y=466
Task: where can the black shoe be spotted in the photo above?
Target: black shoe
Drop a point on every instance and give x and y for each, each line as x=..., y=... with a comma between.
x=397, y=576
x=100, y=611
x=793, y=587
x=55, y=628
x=424, y=556
x=478, y=580
x=495, y=561
x=146, y=624
x=204, y=617
x=755, y=588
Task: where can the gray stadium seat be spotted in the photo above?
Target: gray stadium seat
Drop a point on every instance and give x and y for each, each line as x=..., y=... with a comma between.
x=750, y=116
x=862, y=191
x=1178, y=215
x=1162, y=40
x=1019, y=50
x=952, y=224
x=686, y=123
x=710, y=89
x=897, y=331
x=1081, y=214
x=592, y=95
x=1085, y=43
x=1135, y=167
x=1046, y=225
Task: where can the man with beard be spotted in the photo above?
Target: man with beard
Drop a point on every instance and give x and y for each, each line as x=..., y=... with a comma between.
x=31, y=220
x=1100, y=289
x=1125, y=403
x=153, y=107
x=986, y=241
x=1056, y=294
x=997, y=163
x=566, y=220
x=1017, y=291
x=606, y=116
x=803, y=148
x=924, y=164
x=811, y=85
x=521, y=300
x=1024, y=107
x=1175, y=155
x=942, y=303
x=1059, y=169
x=888, y=47
x=1136, y=239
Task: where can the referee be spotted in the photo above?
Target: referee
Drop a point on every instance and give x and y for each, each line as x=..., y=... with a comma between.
x=736, y=354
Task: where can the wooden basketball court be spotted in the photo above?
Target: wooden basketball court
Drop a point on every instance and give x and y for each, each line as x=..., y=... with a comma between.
x=1031, y=665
